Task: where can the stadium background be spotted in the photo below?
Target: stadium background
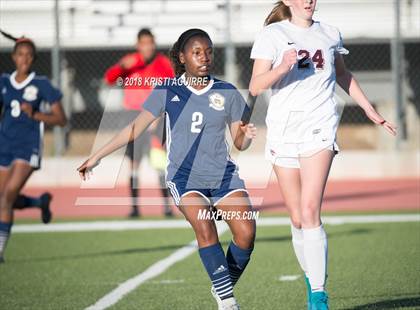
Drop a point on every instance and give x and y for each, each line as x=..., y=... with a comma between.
x=372, y=201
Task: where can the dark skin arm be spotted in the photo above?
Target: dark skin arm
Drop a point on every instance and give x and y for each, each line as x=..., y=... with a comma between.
x=128, y=134
x=55, y=118
x=242, y=134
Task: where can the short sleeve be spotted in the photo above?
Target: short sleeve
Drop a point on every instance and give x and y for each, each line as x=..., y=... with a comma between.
x=238, y=107
x=49, y=93
x=264, y=46
x=340, y=48
x=156, y=102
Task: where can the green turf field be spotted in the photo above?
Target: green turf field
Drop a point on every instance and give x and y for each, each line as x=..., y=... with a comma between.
x=371, y=266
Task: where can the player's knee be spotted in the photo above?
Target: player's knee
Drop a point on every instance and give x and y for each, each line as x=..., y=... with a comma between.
x=294, y=213
x=206, y=236
x=245, y=237
x=310, y=211
x=310, y=207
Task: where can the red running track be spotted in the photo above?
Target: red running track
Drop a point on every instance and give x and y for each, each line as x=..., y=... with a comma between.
x=345, y=196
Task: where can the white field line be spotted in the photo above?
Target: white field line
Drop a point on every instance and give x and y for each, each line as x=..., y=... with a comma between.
x=144, y=201
x=169, y=224
x=153, y=271
x=289, y=277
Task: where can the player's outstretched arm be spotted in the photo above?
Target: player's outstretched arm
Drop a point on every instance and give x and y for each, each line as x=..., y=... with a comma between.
x=349, y=84
x=263, y=77
x=242, y=134
x=128, y=134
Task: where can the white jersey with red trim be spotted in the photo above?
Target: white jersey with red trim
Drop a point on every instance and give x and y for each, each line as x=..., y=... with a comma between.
x=302, y=106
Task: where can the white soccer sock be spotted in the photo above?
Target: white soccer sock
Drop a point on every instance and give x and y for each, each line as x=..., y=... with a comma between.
x=315, y=248
x=297, y=241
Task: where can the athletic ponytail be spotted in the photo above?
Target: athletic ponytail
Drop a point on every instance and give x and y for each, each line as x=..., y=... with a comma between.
x=19, y=41
x=8, y=36
x=280, y=12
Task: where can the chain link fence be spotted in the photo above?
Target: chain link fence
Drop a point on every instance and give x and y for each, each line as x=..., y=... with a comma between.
x=86, y=96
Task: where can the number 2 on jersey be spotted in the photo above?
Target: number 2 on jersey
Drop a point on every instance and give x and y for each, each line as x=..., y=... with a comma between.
x=316, y=58
x=197, y=120
x=15, y=111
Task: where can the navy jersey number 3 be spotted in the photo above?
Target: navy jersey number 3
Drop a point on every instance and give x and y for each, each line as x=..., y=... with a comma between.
x=21, y=137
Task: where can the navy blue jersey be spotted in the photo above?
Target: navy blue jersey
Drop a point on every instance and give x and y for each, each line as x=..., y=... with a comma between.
x=17, y=130
x=196, y=126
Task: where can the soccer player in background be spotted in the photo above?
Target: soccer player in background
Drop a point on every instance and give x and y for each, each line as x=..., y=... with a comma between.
x=200, y=172
x=21, y=134
x=301, y=60
x=146, y=62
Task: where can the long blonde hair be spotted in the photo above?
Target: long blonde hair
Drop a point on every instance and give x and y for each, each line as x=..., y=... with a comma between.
x=278, y=13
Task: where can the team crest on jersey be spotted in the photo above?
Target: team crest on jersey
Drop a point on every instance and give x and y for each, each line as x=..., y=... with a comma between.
x=4, y=91
x=30, y=93
x=217, y=101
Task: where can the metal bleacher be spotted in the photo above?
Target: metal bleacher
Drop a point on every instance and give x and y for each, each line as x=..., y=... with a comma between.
x=107, y=23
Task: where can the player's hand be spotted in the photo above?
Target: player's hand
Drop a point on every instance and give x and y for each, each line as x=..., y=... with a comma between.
x=249, y=130
x=27, y=109
x=379, y=120
x=128, y=62
x=289, y=59
x=391, y=128
x=85, y=170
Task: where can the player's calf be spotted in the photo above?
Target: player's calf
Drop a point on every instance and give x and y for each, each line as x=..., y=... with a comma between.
x=42, y=202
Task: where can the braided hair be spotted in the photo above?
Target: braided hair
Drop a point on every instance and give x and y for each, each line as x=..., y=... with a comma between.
x=179, y=46
x=20, y=41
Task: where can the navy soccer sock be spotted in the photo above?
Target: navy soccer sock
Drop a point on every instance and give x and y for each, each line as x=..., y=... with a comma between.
x=4, y=236
x=23, y=202
x=214, y=261
x=237, y=260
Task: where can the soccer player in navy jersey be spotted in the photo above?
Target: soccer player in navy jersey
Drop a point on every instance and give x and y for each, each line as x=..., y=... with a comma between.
x=21, y=134
x=200, y=173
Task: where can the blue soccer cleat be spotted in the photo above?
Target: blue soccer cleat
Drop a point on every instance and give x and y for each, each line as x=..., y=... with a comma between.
x=319, y=301
x=308, y=291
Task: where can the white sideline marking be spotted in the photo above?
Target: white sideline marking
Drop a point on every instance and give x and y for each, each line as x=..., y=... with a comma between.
x=289, y=278
x=169, y=224
x=168, y=281
x=153, y=271
x=100, y=225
